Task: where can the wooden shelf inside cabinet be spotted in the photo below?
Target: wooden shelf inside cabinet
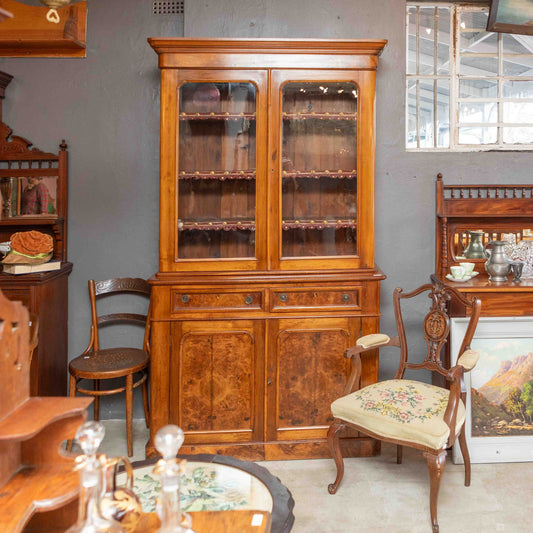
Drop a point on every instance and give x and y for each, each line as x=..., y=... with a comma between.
x=217, y=116
x=304, y=115
x=318, y=224
x=220, y=175
x=226, y=225
x=317, y=174
x=29, y=34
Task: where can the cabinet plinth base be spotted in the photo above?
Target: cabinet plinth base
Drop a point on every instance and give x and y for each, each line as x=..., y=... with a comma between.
x=280, y=451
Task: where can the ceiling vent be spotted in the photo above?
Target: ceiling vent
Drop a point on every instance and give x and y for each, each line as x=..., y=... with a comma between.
x=168, y=7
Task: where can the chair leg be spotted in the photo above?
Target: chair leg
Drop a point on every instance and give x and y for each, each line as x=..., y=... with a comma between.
x=71, y=393
x=466, y=455
x=399, y=454
x=436, y=465
x=335, y=449
x=145, y=403
x=96, y=387
x=129, y=412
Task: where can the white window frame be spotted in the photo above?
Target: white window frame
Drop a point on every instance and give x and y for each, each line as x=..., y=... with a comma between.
x=453, y=78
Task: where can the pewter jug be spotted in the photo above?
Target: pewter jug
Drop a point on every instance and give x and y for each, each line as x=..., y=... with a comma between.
x=498, y=265
x=475, y=249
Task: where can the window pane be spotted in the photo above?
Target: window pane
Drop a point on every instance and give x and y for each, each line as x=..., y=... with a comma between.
x=478, y=135
x=411, y=141
x=443, y=40
x=426, y=114
x=478, y=113
x=517, y=44
x=411, y=40
x=518, y=112
x=478, y=88
x=443, y=114
x=517, y=135
x=479, y=42
x=478, y=66
x=518, y=65
x=426, y=41
x=518, y=89
x=474, y=19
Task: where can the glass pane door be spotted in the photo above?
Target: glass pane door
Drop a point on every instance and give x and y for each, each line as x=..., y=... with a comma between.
x=217, y=170
x=319, y=169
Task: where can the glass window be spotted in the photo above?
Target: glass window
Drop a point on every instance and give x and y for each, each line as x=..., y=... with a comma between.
x=474, y=92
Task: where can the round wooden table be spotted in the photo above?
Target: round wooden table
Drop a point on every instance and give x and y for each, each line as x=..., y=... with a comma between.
x=221, y=483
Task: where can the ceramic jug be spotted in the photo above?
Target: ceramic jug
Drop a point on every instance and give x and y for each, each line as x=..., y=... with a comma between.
x=120, y=503
x=475, y=250
x=498, y=265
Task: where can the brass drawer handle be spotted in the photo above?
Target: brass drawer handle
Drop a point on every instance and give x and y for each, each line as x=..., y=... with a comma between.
x=184, y=298
x=249, y=300
x=345, y=298
x=283, y=297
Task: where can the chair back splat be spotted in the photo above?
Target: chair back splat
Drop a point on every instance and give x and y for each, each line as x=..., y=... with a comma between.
x=436, y=325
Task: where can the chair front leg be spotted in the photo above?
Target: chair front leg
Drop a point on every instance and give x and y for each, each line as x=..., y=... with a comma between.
x=436, y=464
x=335, y=448
x=466, y=455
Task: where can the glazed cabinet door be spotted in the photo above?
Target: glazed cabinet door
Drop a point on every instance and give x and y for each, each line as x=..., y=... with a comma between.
x=323, y=148
x=306, y=371
x=216, y=380
x=215, y=209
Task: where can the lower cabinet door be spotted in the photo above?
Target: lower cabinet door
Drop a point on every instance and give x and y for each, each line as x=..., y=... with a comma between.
x=216, y=382
x=306, y=371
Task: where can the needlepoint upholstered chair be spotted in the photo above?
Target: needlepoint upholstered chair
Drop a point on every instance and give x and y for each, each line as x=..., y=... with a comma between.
x=406, y=412
x=101, y=364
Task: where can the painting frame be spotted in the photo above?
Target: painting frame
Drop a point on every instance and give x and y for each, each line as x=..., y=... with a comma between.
x=490, y=449
x=511, y=16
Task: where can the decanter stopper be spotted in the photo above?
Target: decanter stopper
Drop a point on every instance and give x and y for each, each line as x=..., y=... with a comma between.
x=90, y=519
x=168, y=441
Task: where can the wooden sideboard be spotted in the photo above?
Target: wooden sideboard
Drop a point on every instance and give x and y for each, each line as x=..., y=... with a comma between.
x=493, y=210
x=266, y=266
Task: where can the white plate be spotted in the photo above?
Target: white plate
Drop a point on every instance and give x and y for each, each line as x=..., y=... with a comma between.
x=460, y=280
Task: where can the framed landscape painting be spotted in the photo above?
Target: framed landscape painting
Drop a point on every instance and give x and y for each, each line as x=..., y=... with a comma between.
x=499, y=407
x=511, y=16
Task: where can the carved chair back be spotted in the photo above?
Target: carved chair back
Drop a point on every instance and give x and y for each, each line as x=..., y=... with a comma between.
x=436, y=325
x=115, y=286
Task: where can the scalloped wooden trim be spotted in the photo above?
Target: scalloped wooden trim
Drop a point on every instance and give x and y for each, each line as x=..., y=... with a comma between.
x=13, y=144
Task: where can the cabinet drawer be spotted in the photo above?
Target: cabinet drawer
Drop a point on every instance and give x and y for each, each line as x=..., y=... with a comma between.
x=182, y=300
x=336, y=298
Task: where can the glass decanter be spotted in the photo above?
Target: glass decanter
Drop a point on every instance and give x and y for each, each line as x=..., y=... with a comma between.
x=168, y=441
x=90, y=519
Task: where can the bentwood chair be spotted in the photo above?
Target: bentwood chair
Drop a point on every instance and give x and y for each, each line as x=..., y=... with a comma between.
x=406, y=412
x=102, y=364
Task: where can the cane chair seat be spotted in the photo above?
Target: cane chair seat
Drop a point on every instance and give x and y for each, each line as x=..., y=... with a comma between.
x=109, y=363
x=401, y=409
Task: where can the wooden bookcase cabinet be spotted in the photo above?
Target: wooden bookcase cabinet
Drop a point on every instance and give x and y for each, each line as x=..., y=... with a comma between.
x=266, y=271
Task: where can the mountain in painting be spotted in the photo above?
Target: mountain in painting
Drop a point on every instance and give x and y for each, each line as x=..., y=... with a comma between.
x=511, y=374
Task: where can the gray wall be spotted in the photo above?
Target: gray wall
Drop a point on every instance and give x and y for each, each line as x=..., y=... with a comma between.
x=107, y=108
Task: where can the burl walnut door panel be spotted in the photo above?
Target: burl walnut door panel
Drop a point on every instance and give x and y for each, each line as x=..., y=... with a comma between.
x=216, y=367
x=307, y=370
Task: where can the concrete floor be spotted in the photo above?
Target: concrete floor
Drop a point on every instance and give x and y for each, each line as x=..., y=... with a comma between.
x=379, y=496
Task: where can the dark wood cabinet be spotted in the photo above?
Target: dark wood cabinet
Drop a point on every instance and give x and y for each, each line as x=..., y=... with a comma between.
x=45, y=294
x=266, y=271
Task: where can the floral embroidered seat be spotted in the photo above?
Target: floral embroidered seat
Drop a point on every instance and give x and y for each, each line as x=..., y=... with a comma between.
x=407, y=412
